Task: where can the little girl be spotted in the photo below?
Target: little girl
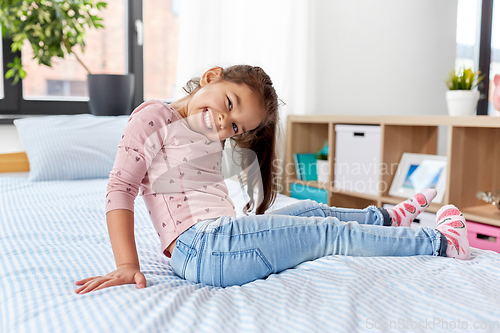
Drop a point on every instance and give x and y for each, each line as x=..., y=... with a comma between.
x=171, y=154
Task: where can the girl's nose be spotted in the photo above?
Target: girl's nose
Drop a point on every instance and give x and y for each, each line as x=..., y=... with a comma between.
x=223, y=126
x=222, y=120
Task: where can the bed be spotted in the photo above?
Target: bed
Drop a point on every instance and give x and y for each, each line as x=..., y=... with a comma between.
x=53, y=233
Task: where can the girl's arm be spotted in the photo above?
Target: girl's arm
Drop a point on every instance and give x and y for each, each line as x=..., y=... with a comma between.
x=136, y=151
x=121, y=233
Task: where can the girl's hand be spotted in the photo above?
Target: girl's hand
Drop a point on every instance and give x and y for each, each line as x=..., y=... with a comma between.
x=125, y=274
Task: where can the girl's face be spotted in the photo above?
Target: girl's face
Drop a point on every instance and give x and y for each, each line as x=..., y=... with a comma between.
x=221, y=109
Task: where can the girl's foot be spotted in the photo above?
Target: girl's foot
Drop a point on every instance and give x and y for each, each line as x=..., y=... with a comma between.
x=451, y=223
x=403, y=214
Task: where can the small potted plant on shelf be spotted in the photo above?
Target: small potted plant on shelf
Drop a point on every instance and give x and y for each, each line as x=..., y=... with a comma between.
x=462, y=97
x=53, y=29
x=322, y=165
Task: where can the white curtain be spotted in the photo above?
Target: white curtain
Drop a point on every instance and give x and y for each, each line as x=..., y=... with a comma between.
x=274, y=35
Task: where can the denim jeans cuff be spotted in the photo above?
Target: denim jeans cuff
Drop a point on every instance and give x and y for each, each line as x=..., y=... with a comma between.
x=387, y=218
x=443, y=245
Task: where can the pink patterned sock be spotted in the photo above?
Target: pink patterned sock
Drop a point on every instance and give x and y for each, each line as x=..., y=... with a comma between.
x=451, y=223
x=403, y=214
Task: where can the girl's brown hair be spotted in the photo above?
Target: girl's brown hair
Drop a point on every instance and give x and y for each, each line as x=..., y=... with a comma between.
x=261, y=140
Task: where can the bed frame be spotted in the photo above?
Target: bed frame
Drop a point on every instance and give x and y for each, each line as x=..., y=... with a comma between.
x=14, y=162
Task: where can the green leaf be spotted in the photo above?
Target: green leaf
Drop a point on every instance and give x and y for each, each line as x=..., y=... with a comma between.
x=464, y=79
x=22, y=73
x=16, y=46
x=10, y=73
x=101, y=5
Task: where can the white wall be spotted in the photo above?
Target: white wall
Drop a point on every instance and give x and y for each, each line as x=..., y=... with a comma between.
x=384, y=56
x=9, y=140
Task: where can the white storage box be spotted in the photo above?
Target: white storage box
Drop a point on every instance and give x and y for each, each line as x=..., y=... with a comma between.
x=357, y=158
x=424, y=219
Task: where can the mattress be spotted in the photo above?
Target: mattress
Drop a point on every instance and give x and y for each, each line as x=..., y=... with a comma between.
x=54, y=233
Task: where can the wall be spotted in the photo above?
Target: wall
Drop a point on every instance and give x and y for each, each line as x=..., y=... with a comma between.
x=370, y=57
x=384, y=56
x=9, y=140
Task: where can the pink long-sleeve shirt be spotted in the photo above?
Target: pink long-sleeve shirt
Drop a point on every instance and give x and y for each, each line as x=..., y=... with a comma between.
x=176, y=170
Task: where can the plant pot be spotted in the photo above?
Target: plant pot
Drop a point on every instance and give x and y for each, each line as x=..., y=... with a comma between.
x=323, y=170
x=110, y=95
x=462, y=102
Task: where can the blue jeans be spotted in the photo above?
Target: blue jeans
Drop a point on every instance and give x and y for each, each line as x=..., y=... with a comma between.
x=233, y=251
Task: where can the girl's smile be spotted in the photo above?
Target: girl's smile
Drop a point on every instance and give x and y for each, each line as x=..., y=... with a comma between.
x=208, y=120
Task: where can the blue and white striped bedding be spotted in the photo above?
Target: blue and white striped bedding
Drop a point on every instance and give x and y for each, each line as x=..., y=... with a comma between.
x=54, y=233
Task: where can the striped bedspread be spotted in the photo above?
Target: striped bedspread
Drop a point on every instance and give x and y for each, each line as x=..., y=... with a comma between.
x=54, y=233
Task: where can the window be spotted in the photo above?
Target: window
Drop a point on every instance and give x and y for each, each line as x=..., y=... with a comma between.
x=66, y=88
x=495, y=54
x=105, y=53
x=117, y=49
x=478, y=44
x=468, y=33
x=161, y=40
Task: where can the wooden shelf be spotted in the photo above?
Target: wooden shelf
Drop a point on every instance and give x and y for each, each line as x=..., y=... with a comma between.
x=392, y=200
x=472, y=121
x=472, y=155
x=356, y=194
x=488, y=214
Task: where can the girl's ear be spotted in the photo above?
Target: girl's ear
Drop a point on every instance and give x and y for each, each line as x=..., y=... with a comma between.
x=211, y=75
x=497, y=79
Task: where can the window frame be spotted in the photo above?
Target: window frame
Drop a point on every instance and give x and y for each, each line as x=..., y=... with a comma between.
x=485, y=55
x=14, y=106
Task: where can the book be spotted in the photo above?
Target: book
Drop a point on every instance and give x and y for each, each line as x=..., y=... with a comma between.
x=305, y=166
x=298, y=171
x=303, y=192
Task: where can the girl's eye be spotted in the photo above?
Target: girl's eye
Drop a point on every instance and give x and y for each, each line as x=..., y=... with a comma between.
x=235, y=128
x=230, y=104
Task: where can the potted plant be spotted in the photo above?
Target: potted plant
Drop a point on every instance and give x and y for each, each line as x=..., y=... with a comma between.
x=462, y=98
x=322, y=165
x=53, y=28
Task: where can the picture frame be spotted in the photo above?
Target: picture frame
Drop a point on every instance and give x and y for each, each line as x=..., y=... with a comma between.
x=417, y=172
